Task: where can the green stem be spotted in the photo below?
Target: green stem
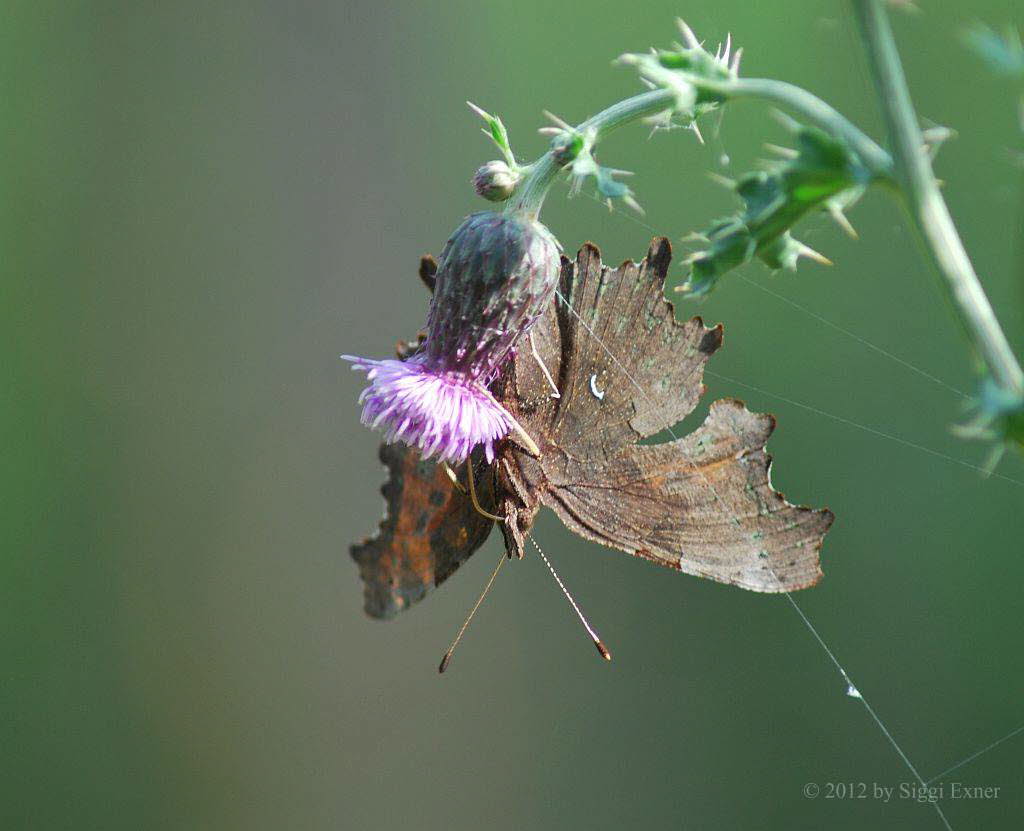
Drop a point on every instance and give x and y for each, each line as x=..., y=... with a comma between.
x=530, y=195
x=542, y=173
x=813, y=109
x=927, y=207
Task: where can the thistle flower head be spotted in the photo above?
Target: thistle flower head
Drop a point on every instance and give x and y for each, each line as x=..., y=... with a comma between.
x=495, y=277
x=438, y=412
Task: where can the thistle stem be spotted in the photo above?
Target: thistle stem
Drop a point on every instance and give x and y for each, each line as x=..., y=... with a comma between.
x=541, y=174
x=808, y=106
x=530, y=195
x=927, y=208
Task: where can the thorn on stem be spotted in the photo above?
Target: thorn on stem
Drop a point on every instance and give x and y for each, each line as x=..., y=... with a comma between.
x=734, y=67
x=779, y=150
x=689, y=38
x=719, y=179
x=811, y=254
x=554, y=119
x=841, y=220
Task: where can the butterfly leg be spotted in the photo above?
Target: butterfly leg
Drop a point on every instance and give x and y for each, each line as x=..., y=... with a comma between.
x=472, y=495
x=526, y=441
x=536, y=356
x=520, y=433
x=451, y=475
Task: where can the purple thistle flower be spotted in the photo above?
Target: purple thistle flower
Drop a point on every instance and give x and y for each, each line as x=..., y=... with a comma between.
x=494, y=279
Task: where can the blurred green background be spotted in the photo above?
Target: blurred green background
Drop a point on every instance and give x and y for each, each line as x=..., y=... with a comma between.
x=203, y=204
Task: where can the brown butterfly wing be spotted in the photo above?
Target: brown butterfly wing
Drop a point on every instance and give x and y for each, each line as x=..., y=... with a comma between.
x=626, y=369
x=429, y=529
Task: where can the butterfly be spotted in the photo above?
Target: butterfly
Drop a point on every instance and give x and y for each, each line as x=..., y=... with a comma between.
x=626, y=372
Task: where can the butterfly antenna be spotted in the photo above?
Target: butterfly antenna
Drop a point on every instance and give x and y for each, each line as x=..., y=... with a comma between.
x=448, y=655
x=586, y=625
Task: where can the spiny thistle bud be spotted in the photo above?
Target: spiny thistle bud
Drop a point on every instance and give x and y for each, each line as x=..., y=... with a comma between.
x=495, y=181
x=495, y=277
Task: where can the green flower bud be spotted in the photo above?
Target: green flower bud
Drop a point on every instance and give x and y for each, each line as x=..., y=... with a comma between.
x=495, y=181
